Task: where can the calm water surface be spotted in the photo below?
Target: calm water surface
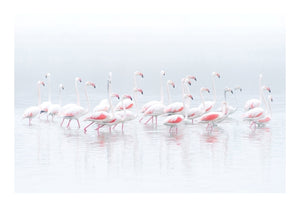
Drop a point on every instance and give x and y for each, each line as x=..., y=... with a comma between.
x=50, y=158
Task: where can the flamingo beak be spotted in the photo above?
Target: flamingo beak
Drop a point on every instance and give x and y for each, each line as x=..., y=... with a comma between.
x=271, y=99
x=142, y=75
x=189, y=83
x=62, y=88
x=218, y=75
x=190, y=96
x=208, y=90
x=43, y=83
x=269, y=90
x=173, y=85
x=231, y=91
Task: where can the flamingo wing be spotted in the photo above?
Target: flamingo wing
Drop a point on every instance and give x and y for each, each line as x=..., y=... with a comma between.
x=252, y=103
x=127, y=104
x=31, y=112
x=173, y=119
x=254, y=113
x=174, y=107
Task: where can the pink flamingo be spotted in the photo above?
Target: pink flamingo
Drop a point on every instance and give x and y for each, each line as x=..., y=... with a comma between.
x=257, y=113
x=157, y=109
x=33, y=111
x=129, y=103
x=210, y=104
x=253, y=103
x=54, y=109
x=150, y=103
x=104, y=105
x=101, y=117
x=177, y=107
x=76, y=111
x=268, y=115
x=175, y=119
x=213, y=116
x=45, y=105
x=194, y=113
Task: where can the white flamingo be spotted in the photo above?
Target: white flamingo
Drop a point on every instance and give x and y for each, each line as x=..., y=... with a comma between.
x=54, y=109
x=45, y=105
x=210, y=104
x=104, y=104
x=253, y=103
x=150, y=103
x=33, y=111
x=127, y=102
x=76, y=111
x=175, y=119
x=196, y=112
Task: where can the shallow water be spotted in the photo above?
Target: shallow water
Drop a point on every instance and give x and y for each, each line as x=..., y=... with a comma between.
x=232, y=158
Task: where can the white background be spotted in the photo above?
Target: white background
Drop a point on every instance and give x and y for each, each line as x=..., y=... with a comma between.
x=13, y=201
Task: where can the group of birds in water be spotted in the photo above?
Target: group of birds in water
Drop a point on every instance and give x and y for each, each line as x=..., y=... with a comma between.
x=110, y=115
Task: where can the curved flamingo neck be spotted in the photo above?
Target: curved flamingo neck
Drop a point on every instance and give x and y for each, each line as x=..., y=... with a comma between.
x=59, y=96
x=214, y=88
x=77, y=93
x=161, y=89
x=260, y=89
x=39, y=95
x=168, y=92
x=202, y=99
x=267, y=104
x=87, y=97
x=49, y=88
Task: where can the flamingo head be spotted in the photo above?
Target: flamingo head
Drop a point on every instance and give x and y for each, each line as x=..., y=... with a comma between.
x=266, y=88
x=170, y=82
x=61, y=87
x=188, y=95
x=89, y=83
x=127, y=96
x=204, y=89
x=41, y=83
x=163, y=73
x=238, y=88
x=139, y=73
x=115, y=95
x=78, y=79
x=47, y=75
x=216, y=74
x=186, y=80
x=138, y=90
x=191, y=77
x=228, y=90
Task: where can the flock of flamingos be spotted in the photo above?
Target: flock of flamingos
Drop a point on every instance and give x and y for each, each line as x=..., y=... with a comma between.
x=174, y=113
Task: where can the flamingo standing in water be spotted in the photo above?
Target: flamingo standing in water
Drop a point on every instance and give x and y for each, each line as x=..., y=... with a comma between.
x=194, y=113
x=45, y=105
x=76, y=111
x=150, y=103
x=103, y=117
x=213, y=116
x=268, y=115
x=175, y=119
x=33, y=111
x=104, y=104
x=54, y=109
x=126, y=102
x=210, y=104
x=253, y=103
x=257, y=113
x=178, y=107
x=157, y=109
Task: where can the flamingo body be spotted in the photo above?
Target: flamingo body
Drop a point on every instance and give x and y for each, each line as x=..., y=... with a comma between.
x=174, y=108
x=208, y=105
x=31, y=112
x=173, y=120
x=254, y=113
x=102, y=106
x=45, y=106
x=127, y=104
x=252, y=103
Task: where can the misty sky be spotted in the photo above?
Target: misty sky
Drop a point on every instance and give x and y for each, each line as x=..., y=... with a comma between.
x=239, y=47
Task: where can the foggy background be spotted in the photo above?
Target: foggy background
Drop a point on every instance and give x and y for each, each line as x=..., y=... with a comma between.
x=239, y=47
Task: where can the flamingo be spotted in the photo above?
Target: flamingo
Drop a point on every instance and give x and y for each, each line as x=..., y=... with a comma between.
x=175, y=119
x=253, y=103
x=100, y=117
x=104, y=105
x=150, y=103
x=194, y=113
x=65, y=107
x=177, y=107
x=76, y=111
x=45, y=105
x=268, y=115
x=170, y=82
x=33, y=111
x=126, y=102
x=54, y=109
x=232, y=109
x=118, y=117
x=210, y=104
x=212, y=117
x=257, y=113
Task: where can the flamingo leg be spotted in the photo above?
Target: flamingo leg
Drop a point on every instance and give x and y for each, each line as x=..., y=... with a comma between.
x=156, y=121
x=78, y=123
x=170, y=129
x=99, y=126
x=141, y=119
x=152, y=120
x=176, y=129
x=192, y=121
x=29, y=120
x=115, y=126
x=69, y=123
x=122, y=127
x=149, y=120
x=88, y=126
x=62, y=122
